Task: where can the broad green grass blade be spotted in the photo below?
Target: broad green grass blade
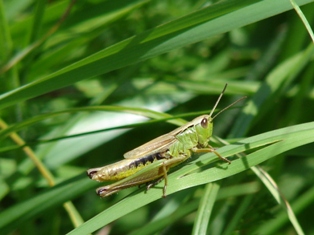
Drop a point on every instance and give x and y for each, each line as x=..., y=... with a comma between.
x=282, y=139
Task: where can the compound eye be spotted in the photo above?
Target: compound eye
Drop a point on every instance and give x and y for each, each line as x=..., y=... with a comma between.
x=204, y=123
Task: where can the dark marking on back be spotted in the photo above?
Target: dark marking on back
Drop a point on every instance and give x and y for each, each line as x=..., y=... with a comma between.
x=147, y=159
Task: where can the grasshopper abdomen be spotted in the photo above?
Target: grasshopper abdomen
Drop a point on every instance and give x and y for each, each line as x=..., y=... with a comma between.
x=122, y=169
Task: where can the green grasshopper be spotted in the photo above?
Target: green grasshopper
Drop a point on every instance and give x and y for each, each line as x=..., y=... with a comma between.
x=150, y=162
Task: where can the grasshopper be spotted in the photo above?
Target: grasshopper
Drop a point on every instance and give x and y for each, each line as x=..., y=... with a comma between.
x=151, y=161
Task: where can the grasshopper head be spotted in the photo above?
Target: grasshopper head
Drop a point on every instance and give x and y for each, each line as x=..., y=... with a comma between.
x=204, y=128
x=204, y=124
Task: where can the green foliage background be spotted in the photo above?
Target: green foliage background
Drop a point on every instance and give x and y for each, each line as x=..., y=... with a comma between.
x=76, y=76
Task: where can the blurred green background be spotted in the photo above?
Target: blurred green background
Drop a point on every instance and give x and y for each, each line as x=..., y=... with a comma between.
x=76, y=76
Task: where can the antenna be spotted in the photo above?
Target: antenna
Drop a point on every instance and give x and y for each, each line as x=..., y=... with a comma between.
x=221, y=94
x=238, y=100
